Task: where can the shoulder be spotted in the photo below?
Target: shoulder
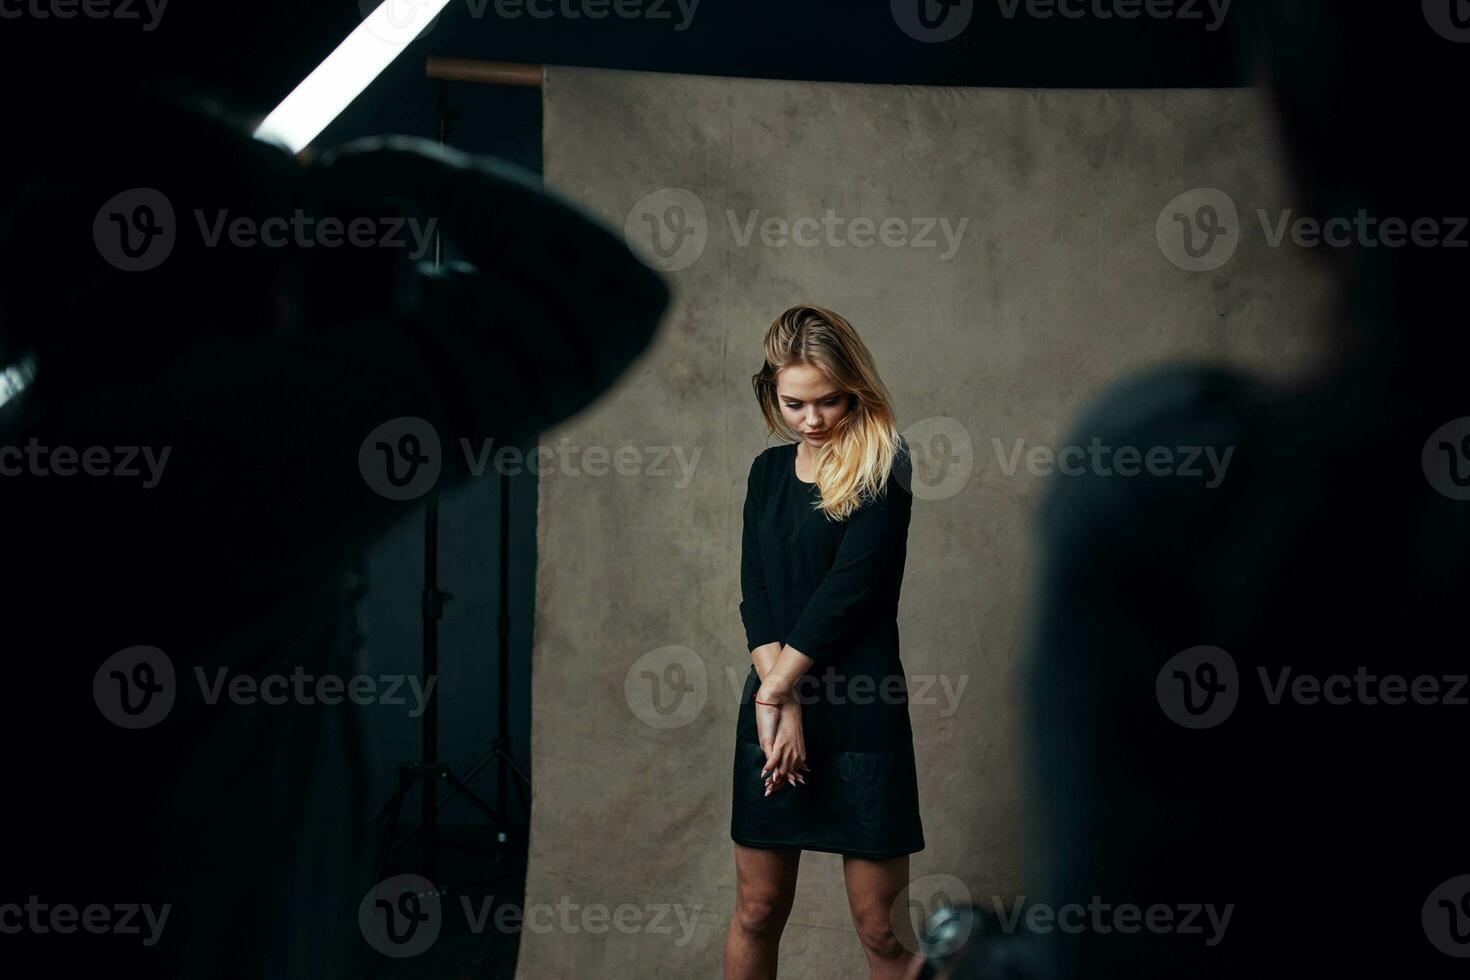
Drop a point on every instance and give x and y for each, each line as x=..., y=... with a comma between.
x=895, y=488
x=899, y=481
x=1178, y=410
x=765, y=457
x=902, y=471
x=1170, y=396
x=763, y=465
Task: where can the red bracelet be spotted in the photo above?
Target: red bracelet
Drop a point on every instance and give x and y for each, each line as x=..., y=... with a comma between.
x=774, y=704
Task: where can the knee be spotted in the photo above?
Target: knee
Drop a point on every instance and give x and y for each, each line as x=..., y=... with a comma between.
x=877, y=936
x=761, y=917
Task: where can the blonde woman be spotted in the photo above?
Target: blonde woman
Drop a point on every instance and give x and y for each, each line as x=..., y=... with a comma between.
x=824, y=756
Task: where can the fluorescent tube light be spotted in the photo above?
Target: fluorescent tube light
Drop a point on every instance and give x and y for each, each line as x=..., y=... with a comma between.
x=359, y=59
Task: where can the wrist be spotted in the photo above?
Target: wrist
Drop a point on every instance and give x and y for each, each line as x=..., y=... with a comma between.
x=772, y=693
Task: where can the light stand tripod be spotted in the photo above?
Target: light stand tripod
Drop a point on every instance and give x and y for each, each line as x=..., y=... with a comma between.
x=428, y=769
x=433, y=599
x=500, y=746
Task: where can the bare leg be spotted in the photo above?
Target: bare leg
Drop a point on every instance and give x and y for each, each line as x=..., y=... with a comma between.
x=872, y=888
x=765, y=884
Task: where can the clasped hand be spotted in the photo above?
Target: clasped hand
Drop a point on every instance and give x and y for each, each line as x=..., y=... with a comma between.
x=779, y=728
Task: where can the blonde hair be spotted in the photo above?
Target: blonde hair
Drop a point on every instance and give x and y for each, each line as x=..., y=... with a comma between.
x=855, y=462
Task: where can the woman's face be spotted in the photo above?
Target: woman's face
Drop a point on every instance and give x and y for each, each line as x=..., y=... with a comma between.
x=809, y=403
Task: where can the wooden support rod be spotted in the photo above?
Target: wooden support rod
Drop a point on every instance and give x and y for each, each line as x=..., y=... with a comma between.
x=485, y=72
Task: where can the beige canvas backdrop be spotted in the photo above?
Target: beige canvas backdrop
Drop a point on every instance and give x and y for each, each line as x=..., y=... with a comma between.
x=1060, y=281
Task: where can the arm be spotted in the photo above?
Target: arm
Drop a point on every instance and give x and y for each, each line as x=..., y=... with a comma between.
x=764, y=658
x=876, y=539
x=765, y=648
x=755, y=600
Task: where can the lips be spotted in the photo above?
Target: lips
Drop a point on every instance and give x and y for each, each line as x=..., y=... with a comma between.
x=814, y=434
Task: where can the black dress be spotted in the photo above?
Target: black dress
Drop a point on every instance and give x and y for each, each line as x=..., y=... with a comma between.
x=829, y=589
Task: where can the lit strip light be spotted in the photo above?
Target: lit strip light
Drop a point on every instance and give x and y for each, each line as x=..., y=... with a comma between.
x=359, y=59
x=16, y=378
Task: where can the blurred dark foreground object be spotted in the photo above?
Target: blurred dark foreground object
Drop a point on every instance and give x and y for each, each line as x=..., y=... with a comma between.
x=1196, y=731
x=967, y=942
x=254, y=376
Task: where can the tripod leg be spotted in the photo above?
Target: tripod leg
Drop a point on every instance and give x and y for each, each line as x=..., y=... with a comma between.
x=522, y=779
x=405, y=781
x=479, y=804
x=522, y=782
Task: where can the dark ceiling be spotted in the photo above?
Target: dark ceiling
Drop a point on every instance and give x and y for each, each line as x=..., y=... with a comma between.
x=254, y=52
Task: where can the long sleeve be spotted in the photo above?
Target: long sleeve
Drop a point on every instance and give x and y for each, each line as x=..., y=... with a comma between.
x=755, y=601
x=872, y=550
